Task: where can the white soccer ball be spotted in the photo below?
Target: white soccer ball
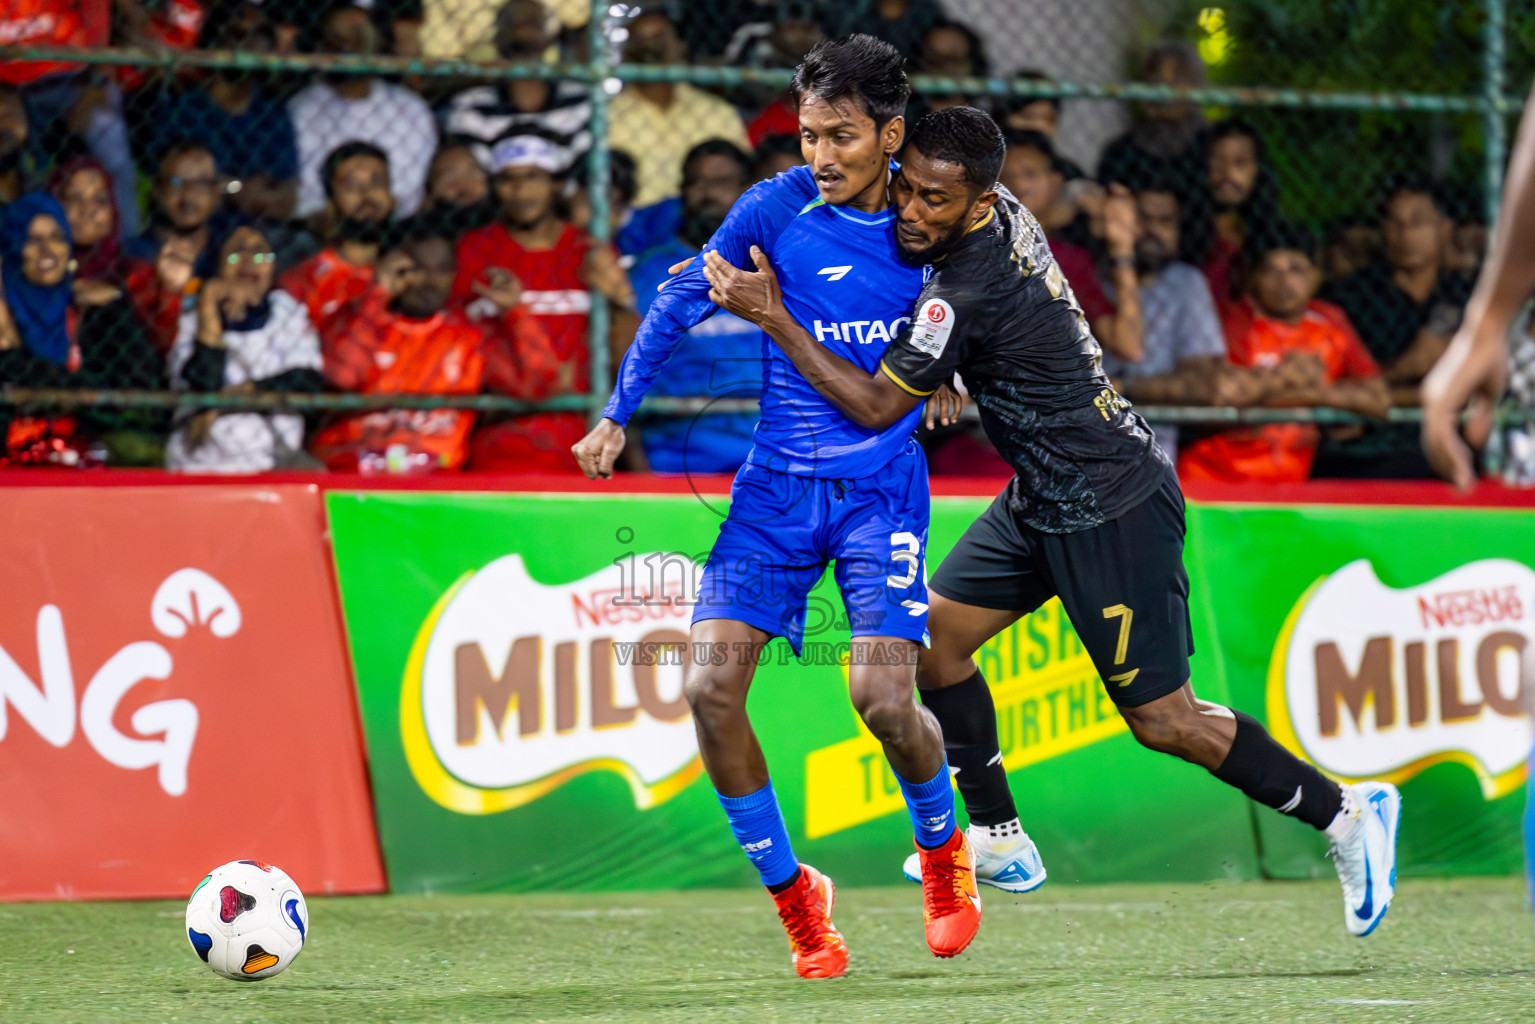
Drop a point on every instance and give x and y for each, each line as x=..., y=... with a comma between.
x=247, y=920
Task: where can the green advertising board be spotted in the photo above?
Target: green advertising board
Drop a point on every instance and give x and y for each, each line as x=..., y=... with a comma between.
x=517, y=741
x=1378, y=642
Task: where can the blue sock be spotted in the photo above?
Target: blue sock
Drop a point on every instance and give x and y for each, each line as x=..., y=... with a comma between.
x=931, y=806
x=759, y=828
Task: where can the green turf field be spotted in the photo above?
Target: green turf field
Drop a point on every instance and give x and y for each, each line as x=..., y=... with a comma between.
x=1269, y=952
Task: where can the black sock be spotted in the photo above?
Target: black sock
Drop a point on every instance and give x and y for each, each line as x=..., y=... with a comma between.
x=787, y=882
x=969, y=722
x=1273, y=776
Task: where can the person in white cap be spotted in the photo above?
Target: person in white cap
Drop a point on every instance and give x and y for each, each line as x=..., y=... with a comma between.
x=558, y=266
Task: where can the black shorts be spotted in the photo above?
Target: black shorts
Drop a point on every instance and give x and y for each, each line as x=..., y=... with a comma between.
x=1122, y=584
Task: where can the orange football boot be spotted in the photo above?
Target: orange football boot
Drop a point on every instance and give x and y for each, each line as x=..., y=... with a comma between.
x=951, y=907
x=805, y=908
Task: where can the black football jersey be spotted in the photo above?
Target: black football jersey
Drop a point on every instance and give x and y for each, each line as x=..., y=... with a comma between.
x=998, y=311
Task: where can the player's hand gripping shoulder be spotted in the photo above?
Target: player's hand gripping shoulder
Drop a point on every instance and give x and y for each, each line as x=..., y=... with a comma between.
x=751, y=296
x=598, y=450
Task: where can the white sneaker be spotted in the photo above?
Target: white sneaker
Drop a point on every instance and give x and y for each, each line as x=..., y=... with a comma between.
x=1013, y=867
x=1366, y=856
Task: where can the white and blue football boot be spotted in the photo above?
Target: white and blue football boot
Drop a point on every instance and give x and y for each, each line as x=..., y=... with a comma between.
x=1366, y=855
x=1012, y=866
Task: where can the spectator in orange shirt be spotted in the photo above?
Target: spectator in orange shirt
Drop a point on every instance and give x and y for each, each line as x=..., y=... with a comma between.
x=356, y=223
x=1305, y=354
x=557, y=267
x=402, y=336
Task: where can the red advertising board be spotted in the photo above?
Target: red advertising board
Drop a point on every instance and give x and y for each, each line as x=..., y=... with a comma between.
x=174, y=694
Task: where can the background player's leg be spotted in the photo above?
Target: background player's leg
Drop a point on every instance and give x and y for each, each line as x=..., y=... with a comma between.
x=1233, y=747
x=953, y=689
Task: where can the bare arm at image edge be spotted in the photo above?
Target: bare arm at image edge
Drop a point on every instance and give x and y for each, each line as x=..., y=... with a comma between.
x=1475, y=366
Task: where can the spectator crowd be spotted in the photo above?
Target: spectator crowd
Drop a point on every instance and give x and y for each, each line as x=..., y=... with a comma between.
x=246, y=232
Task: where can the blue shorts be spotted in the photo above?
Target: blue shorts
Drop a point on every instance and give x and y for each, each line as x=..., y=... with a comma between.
x=783, y=529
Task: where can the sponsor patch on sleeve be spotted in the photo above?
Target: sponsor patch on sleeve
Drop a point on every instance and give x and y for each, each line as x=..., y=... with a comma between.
x=930, y=334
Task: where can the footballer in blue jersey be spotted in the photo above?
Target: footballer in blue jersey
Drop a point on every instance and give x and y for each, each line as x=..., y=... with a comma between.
x=1093, y=515
x=817, y=488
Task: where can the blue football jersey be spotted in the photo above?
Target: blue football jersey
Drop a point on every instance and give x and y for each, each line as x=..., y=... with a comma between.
x=843, y=281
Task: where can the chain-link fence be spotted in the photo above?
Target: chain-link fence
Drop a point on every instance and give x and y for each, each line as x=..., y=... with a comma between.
x=400, y=235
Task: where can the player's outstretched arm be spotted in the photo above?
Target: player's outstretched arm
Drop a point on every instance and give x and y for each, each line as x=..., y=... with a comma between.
x=870, y=400
x=1475, y=366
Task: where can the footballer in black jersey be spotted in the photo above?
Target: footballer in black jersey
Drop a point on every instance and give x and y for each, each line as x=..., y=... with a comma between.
x=1094, y=514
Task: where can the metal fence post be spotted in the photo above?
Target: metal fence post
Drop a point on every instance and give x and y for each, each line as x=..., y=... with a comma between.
x=597, y=194
x=1495, y=150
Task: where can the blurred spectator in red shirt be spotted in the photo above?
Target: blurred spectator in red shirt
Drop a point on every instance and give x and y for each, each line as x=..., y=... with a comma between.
x=557, y=267
x=168, y=261
x=402, y=336
x=357, y=222
x=1306, y=353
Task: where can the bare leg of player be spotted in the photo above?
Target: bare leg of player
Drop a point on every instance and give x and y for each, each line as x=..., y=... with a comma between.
x=881, y=691
x=1231, y=745
x=717, y=694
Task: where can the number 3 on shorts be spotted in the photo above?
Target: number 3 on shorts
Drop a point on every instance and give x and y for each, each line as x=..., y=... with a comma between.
x=908, y=552
x=1125, y=614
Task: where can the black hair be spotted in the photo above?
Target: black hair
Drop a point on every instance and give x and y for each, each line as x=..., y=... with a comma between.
x=343, y=153
x=1281, y=234
x=964, y=136
x=1413, y=184
x=232, y=27
x=1026, y=138
x=1236, y=128
x=623, y=175
x=773, y=145
x=1162, y=183
x=855, y=67
x=720, y=147
x=181, y=146
x=979, y=66
x=1258, y=212
x=1013, y=104
x=431, y=222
